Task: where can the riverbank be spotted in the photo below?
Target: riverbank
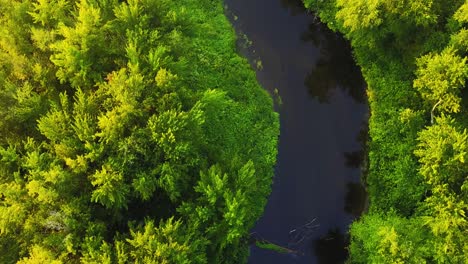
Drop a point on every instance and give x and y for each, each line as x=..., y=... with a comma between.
x=412, y=156
x=130, y=132
x=322, y=114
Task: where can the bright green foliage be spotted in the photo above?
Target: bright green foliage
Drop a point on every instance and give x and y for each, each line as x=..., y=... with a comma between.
x=459, y=38
x=413, y=57
x=447, y=221
x=384, y=23
x=168, y=243
x=363, y=15
x=233, y=198
x=439, y=79
x=462, y=13
x=49, y=12
x=39, y=255
x=78, y=54
x=360, y=14
x=110, y=189
x=442, y=152
x=389, y=239
x=131, y=132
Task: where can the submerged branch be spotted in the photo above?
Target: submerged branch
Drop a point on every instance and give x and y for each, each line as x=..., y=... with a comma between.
x=265, y=244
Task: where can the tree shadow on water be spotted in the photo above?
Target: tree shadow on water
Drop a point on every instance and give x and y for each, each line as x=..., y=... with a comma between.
x=296, y=7
x=331, y=248
x=335, y=67
x=356, y=198
x=354, y=159
x=358, y=159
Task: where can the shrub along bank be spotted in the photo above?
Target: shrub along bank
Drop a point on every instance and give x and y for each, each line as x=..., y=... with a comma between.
x=131, y=132
x=413, y=57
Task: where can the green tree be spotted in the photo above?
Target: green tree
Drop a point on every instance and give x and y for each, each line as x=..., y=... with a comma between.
x=80, y=53
x=109, y=111
x=439, y=79
x=417, y=173
x=389, y=238
x=165, y=244
x=442, y=151
x=446, y=217
x=39, y=255
x=379, y=24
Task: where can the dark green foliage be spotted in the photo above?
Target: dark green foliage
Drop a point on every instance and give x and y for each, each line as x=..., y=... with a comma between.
x=413, y=57
x=131, y=132
x=388, y=238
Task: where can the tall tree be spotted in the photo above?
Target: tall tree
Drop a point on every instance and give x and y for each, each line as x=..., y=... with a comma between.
x=439, y=80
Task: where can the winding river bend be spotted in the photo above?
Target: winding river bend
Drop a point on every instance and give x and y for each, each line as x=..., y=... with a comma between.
x=316, y=191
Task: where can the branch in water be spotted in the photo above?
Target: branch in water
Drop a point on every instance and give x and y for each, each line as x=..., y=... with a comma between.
x=270, y=246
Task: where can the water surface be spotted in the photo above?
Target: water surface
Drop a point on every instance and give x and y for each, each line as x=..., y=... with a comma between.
x=323, y=120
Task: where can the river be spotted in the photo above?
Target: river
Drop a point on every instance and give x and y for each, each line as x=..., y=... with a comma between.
x=316, y=192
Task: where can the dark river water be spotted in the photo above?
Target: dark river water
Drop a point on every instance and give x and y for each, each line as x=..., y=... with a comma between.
x=323, y=115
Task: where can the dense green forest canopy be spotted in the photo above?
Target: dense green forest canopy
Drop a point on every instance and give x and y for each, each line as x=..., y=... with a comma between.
x=413, y=55
x=130, y=132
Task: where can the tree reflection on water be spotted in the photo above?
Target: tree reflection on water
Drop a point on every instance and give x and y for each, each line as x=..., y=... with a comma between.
x=331, y=248
x=335, y=67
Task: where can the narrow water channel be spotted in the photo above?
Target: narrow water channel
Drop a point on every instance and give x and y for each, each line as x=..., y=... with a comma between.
x=323, y=122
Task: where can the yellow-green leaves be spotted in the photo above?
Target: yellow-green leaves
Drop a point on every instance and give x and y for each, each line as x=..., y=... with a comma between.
x=389, y=242
x=360, y=14
x=440, y=78
x=442, y=151
x=11, y=216
x=173, y=133
x=164, y=78
x=447, y=221
x=38, y=191
x=40, y=255
x=55, y=125
x=417, y=178
x=384, y=24
x=75, y=55
x=129, y=13
x=460, y=39
x=49, y=12
x=103, y=124
x=462, y=13
x=120, y=94
x=365, y=14
x=212, y=185
x=110, y=188
x=166, y=243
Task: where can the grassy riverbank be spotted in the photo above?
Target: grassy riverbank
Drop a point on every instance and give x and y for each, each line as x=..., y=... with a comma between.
x=413, y=58
x=131, y=131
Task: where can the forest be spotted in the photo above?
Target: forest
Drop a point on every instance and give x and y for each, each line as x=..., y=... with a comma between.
x=131, y=132
x=413, y=56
